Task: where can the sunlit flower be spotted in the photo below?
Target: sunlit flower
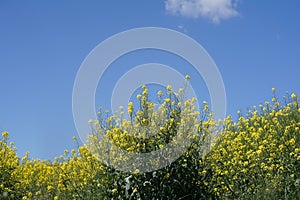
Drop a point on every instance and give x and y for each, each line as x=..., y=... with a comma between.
x=159, y=93
x=5, y=134
x=130, y=108
x=169, y=87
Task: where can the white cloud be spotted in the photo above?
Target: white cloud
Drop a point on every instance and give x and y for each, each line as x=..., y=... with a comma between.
x=214, y=10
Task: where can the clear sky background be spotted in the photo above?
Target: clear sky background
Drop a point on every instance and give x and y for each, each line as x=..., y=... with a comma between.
x=254, y=43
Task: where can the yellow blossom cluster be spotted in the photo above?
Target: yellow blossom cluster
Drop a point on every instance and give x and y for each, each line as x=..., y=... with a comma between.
x=67, y=177
x=259, y=154
x=256, y=156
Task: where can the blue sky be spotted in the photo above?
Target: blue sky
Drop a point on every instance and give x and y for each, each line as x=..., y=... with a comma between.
x=255, y=45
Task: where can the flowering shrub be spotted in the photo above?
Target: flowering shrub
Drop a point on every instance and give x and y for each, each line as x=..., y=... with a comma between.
x=255, y=157
x=8, y=163
x=258, y=157
x=148, y=130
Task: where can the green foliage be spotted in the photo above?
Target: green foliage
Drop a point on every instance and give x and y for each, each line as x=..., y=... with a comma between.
x=255, y=157
x=150, y=130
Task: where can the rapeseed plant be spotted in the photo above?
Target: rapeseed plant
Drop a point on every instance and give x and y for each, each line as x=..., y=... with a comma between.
x=256, y=156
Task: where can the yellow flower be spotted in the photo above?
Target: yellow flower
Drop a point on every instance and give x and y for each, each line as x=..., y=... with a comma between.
x=5, y=134
x=138, y=96
x=145, y=92
x=187, y=77
x=292, y=141
x=167, y=100
x=130, y=108
x=273, y=89
x=134, y=190
x=258, y=152
x=115, y=190
x=73, y=151
x=294, y=96
x=167, y=175
x=49, y=188
x=159, y=93
x=130, y=149
x=137, y=171
x=292, y=175
x=96, y=122
x=273, y=99
x=169, y=87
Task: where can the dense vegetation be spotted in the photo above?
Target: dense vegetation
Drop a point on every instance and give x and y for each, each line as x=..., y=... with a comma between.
x=256, y=156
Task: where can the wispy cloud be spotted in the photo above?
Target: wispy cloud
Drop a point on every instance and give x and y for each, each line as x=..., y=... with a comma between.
x=215, y=10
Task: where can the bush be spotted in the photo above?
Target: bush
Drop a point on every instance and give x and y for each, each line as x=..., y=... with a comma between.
x=255, y=157
x=8, y=164
x=258, y=157
x=149, y=130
